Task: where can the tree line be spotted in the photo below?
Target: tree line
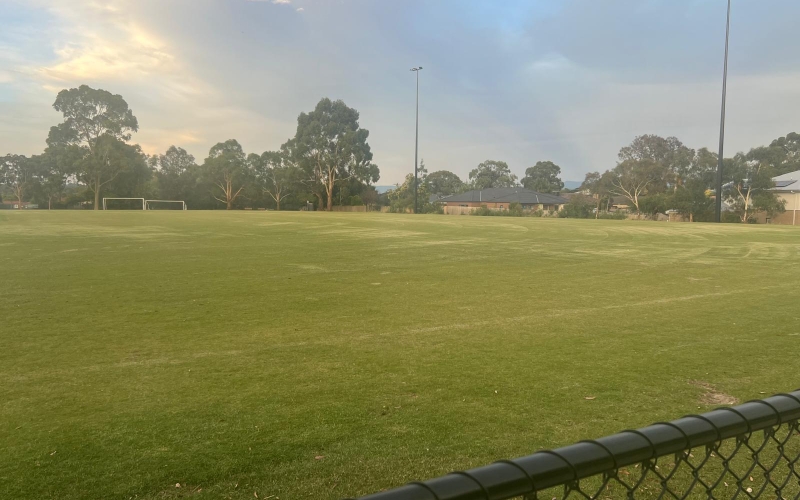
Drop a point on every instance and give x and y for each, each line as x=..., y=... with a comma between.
x=656, y=174
x=544, y=177
x=89, y=156
x=653, y=175
x=329, y=162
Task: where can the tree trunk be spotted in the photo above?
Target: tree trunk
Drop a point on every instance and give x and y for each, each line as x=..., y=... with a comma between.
x=230, y=205
x=319, y=197
x=96, y=197
x=278, y=203
x=330, y=203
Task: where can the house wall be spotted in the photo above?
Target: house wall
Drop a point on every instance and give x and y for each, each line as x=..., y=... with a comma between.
x=499, y=206
x=456, y=210
x=791, y=216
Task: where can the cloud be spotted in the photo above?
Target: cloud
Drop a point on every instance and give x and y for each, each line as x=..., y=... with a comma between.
x=565, y=80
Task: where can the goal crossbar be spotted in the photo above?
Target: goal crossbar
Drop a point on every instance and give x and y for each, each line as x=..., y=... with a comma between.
x=144, y=204
x=183, y=203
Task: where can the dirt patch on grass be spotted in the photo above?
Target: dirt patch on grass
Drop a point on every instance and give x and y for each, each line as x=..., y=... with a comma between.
x=711, y=396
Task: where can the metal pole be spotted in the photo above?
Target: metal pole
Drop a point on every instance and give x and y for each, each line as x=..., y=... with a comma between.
x=718, y=208
x=416, y=147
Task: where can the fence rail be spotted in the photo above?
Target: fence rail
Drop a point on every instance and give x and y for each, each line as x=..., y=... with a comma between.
x=748, y=451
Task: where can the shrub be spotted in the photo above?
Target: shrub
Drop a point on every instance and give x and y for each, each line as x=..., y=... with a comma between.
x=612, y=215
x=580, y=207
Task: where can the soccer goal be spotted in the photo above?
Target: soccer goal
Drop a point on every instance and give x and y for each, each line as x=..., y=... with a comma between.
x=165, y=205
x=124, y=204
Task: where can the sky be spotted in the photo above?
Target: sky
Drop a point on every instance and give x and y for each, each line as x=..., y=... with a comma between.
x=570, y=81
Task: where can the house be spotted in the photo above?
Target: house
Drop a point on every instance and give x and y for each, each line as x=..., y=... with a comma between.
x=787, y=188
x=501, y=199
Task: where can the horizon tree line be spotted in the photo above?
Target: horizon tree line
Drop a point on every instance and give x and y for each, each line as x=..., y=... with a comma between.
x=329, y=160
x=653, y=175
x=88, y=157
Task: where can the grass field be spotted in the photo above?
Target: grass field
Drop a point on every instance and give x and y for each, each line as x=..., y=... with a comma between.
x=313, y=355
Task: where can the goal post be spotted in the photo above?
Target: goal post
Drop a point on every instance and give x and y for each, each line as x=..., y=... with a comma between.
x=137, y=204
x=150, y=204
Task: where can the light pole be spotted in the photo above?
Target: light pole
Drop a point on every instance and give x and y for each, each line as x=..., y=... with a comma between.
x=416, y=142
x=718, y=207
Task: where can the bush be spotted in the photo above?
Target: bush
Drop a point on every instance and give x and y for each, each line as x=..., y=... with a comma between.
x=612, y=215
x=514, y=210
x=731, y=218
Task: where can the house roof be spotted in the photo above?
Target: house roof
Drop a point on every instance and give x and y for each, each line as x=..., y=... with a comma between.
x=507, y=195
x=435, y=198
x=787, y=182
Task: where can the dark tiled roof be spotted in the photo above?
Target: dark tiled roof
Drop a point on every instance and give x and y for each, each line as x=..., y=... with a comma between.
x=507, y=195
x=437, y=198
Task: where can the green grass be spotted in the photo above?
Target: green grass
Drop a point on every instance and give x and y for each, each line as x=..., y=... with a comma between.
x=228, y=352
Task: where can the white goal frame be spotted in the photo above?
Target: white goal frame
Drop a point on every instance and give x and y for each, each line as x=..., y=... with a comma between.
x=144, y=204
x=183, y=203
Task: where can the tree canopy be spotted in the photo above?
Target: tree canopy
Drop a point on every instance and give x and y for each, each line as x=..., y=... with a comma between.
x=330, y=146
x=227, y=171
x=17, y=172
x=96, y=125
x=444, y=183
x=89, y=155
x=544, y=177
x=492, y=174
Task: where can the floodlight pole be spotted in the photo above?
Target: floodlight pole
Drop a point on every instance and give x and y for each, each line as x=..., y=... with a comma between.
x=416, y=143
x=718, y=204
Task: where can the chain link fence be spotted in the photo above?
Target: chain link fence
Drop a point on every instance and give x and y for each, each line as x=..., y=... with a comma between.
x=744, y=452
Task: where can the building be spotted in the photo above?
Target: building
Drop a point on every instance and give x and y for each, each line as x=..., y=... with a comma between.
x=787, y=188
x=501, y=199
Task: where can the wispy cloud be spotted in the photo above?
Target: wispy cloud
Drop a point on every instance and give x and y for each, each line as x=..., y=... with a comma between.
x=566, y=80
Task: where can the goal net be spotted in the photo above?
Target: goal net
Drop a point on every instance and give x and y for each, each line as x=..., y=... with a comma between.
x=124, y=204
x=165, y=205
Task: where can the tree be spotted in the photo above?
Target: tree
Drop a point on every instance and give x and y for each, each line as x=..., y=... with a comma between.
x=598, y=186
x=748, y=184
x=18, y=173
x=444, y=183
x=788, y=153
x=226, y=170
x=276, y=175
x=98, y=123
x=543, y=177
x=655, y=204
x=176, y=174
x=669, y=153
x=633, y=179
x=330, y=146
x=109, y=158
x=579, y=207
x=136, y=177
x=401, y=199
x=370, y=197
x=492, y=174
x=51, y=176
x=691, y=197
